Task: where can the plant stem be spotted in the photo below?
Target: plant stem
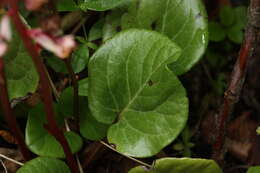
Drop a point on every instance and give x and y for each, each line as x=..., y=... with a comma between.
x=9, y=116
x=129, y=157
x=75, y=91
x=231, y=96
x=52, y=126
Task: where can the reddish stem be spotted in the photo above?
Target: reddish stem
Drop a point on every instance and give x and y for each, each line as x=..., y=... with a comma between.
x=232, y=94
x=45, y=83
x=9, y=116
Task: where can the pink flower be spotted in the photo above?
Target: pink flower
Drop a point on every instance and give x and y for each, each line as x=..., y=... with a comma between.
x=34, y=4
x=5, y=28
x=3, y=48
x=5, y=34
x=60, y=46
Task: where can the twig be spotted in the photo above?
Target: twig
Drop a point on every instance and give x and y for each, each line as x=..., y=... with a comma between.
x=75, y=91
x=8, y=113
x=78, y=26
x=77, y=158
x=52, y=125
x=3, y=164
x=131, y=158
x=11, y=160
x=232, y=94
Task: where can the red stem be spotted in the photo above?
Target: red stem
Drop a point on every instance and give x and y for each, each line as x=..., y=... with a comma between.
x=9, y=116
x=45, y=83
x=232, y=94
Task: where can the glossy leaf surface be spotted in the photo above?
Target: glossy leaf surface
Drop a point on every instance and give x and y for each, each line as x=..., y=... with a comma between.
x=130, y=83
x=183, y=21
x=44, y=165
x=176, y=165
x=41, y=142
x=99, y=5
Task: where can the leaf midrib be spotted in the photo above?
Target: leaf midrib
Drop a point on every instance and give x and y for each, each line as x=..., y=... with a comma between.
x=142, y=86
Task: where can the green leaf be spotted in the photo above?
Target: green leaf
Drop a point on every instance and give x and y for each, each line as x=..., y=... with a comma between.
x=22, y=77
x=56, y=64
x=43, y=165
x=66, y=5
x=99, y=5
x=216, y=32
x=96, y=30
x=235, y=34
x=240, y=16
x=254, y=169
x=130, y=82
x=79, y=60
x=83, y=87
x=111, y=25
x=183, y=21
x=258, y=130
x=226, y=15
x=65, y=102
x=90, y=128
x=41, y=142
x=176, y=165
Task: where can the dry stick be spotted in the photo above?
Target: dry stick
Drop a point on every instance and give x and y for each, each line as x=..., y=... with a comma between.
x=11, y=160
x=9, y=116
x=75, y=91
x=232, y=94
x=129, y=157
x=52, y=126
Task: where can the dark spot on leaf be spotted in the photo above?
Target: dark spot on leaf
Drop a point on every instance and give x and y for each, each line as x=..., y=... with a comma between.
x=153, y=25
x=138, y=4
x=150, y=83
x=198, y=16
x=118, y=28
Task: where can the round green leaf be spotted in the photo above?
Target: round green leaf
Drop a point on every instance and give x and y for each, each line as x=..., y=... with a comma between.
x=40, y=142
x=216, y=32
x=130, y=82
x=183, y=21
x=176, y=165
x=254, y=169
x=44, y=165
x=90, y=128
x=227, y=15
x=22, y=77
x=235, y=34
x=99, y=5
x=95, y=32
x=240, y=16
x=79, y=60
